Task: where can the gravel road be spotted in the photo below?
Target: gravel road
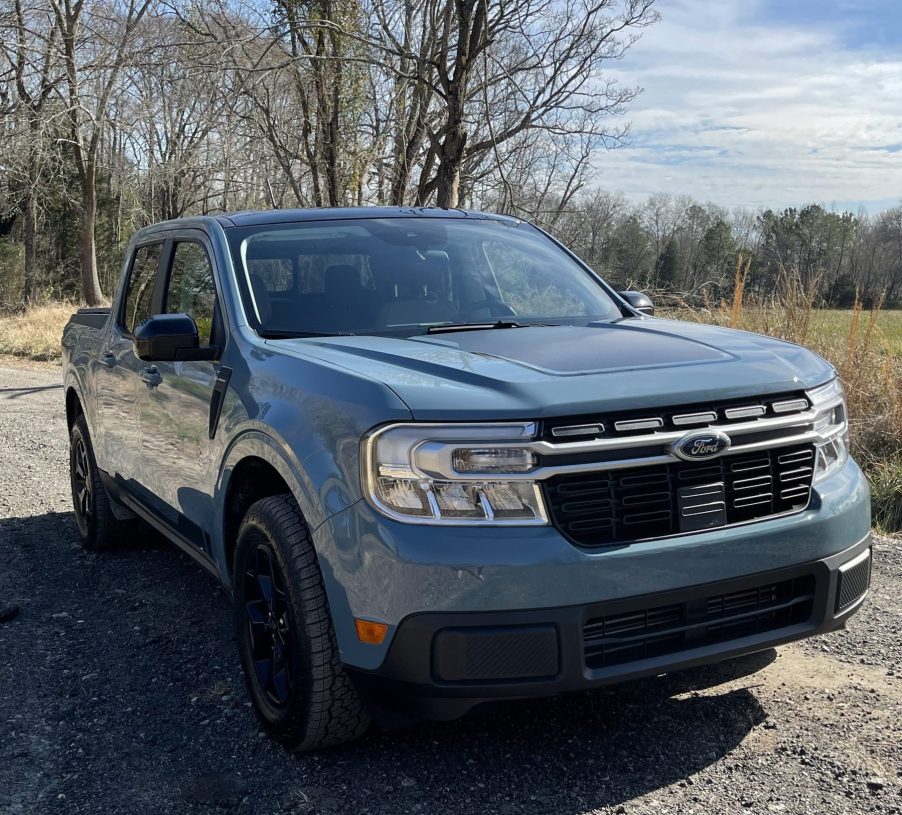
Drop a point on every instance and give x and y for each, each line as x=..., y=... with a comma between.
x=120, y=692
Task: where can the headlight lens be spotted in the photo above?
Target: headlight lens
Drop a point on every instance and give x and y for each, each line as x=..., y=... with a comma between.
x=449, y=474
x=831, y=423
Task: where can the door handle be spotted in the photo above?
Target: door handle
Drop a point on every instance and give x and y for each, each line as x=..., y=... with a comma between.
x=150, y=376
x=109, y=358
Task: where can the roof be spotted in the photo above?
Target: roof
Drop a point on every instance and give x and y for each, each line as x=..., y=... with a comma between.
x=281, y=216
x=285, y=216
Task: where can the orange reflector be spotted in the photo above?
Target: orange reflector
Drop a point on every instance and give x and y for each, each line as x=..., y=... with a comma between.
x=370, y=632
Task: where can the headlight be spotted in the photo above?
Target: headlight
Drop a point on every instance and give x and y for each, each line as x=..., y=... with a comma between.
x=453, y=474
x=831, y=424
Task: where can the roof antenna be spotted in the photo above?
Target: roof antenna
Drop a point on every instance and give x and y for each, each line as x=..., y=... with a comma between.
x=272, y=198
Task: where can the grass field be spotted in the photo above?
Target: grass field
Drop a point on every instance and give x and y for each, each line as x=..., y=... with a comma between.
x=834, y=325
x=827, y=327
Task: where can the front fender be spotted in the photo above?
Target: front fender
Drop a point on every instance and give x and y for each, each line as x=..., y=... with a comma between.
x=258, y=443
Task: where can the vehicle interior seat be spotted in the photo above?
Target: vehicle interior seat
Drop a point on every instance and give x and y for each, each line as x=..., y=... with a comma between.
x=346, y=298
x=422, y=294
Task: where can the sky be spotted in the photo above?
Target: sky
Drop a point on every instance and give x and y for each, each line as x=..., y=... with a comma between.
x=765, y=103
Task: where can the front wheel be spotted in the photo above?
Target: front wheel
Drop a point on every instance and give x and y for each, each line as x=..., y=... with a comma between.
x=301, y=693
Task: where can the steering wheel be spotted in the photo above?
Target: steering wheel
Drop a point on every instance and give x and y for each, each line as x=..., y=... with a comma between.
x=495, y=308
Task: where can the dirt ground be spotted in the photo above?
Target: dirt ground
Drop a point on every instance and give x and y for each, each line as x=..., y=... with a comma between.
x=120, y=692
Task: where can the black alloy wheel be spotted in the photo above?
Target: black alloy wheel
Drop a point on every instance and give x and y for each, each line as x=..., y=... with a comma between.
x=82, y=490
x=269, y=626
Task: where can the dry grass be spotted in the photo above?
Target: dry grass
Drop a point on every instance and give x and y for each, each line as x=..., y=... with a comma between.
x=865, y=347
x=35, y=334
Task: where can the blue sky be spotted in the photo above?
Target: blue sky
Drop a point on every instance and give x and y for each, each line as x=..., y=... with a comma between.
x=751, y=103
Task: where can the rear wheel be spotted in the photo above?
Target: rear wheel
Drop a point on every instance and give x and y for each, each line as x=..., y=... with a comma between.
x=98, y=527
x=300, y=691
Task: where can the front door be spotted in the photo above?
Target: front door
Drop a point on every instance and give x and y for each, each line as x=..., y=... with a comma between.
x=178, y=466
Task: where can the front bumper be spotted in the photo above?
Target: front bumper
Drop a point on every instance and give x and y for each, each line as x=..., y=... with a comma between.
x=440, y=665
x=382, y=570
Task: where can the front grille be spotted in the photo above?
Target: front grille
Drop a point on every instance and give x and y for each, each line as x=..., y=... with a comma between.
x=616, y=506
x=615, y=639
x=684, y=417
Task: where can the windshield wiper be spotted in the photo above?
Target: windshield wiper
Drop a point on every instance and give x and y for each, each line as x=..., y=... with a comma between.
x=281, y=334
x=445, y=329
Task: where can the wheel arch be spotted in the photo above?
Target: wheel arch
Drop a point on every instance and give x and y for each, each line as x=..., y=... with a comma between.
x=254, y=467
x=74, y=408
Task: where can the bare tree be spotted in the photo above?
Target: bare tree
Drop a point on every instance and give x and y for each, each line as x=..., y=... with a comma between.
x=489, y=71
x=95, y=50
x=28, y=43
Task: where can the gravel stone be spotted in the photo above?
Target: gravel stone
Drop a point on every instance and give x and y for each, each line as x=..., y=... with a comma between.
x=102, y=712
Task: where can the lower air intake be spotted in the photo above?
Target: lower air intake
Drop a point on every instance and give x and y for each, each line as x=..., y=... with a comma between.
x=615, y=639
x=853, y=583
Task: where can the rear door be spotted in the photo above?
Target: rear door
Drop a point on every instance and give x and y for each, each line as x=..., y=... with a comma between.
x=177, y=466
x=117, y=441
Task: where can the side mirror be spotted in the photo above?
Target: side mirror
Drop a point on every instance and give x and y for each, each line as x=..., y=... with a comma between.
x=169, y=337
x=639, y=301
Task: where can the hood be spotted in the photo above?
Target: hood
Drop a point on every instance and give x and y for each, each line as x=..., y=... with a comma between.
x=543, y=371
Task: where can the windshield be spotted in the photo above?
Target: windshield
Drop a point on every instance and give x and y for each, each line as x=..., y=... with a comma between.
x=403, y=276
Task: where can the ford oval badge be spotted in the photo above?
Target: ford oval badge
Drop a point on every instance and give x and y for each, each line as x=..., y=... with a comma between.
x=701, y=446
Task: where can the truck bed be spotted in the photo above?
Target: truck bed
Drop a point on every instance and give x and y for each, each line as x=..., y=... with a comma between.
x=91, y=317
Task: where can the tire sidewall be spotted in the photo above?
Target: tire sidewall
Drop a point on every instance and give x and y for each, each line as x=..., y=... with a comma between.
x=254, y=532
x=87, y=530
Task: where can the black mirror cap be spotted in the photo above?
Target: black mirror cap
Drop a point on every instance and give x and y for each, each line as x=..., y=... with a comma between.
x=639, y=301
x=167, y=337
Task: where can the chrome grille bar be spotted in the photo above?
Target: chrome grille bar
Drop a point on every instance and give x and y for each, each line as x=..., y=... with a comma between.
x=433, y=459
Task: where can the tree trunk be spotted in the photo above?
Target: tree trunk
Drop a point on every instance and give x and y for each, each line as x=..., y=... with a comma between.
x=90, y=282
x=447, y=193
x=29, y=238
x=448, y=184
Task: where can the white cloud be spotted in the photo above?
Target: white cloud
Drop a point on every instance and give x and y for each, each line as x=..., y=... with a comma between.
x=748, y=114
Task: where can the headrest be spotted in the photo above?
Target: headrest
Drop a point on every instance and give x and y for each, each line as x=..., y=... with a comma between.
x=341, y=279
x=429, y=274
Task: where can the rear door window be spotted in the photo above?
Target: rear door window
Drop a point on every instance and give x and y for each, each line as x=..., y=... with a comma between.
x=140, y=286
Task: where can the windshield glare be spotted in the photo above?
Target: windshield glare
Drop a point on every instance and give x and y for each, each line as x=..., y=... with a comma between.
x=402, y=276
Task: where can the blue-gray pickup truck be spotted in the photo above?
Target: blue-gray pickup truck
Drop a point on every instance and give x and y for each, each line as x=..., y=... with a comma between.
x=439, y=462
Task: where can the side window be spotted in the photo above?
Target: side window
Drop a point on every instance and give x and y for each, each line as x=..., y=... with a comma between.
x=140, y=286
x=191, y=287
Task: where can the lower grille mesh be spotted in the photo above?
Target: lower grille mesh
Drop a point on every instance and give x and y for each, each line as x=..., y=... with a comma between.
x=605, y=507
x=615, y=639
x=853, y=583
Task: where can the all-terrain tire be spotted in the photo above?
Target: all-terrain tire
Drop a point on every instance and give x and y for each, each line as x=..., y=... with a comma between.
x=98, y=527
x=304, y=698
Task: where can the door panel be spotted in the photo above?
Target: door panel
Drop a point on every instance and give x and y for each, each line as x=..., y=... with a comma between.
x=117, y=440
x=174, y=405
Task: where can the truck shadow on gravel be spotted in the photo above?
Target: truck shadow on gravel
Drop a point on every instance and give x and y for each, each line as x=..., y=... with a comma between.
x=121, y=688
x=18, y=393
